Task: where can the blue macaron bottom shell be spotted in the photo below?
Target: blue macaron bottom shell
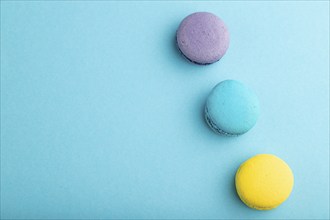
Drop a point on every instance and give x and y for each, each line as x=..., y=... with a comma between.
x=214, y=127
x=232, y=108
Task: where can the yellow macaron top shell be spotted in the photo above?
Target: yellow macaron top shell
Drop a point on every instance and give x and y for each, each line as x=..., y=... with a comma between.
x=264, y=181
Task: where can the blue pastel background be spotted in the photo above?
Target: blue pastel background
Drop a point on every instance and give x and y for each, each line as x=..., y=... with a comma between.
x=101, y=117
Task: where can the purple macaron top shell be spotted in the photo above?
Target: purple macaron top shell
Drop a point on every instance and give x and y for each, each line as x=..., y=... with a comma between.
x=203, y=38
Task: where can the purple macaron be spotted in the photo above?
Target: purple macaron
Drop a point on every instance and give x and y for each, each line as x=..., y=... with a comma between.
x=203, y=38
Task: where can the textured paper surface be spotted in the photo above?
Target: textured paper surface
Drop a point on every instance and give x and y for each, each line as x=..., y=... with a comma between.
x=101, y=117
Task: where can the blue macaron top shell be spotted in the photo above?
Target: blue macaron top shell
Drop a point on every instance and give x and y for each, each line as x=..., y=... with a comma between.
x=232, y=108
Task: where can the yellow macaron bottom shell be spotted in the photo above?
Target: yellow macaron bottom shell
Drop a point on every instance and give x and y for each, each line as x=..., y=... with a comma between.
x=264, y=181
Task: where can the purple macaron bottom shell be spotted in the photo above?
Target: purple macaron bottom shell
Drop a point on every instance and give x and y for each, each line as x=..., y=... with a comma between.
x=203, y=64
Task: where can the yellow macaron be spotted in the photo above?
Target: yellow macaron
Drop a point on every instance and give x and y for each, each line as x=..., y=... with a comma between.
x=264, y=181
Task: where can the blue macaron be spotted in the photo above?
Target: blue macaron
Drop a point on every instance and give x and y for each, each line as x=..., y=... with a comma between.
x=231, y=108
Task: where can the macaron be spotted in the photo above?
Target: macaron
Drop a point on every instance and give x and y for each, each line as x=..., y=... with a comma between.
x=202, y=38
x=264, y=182
x=231, y=108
